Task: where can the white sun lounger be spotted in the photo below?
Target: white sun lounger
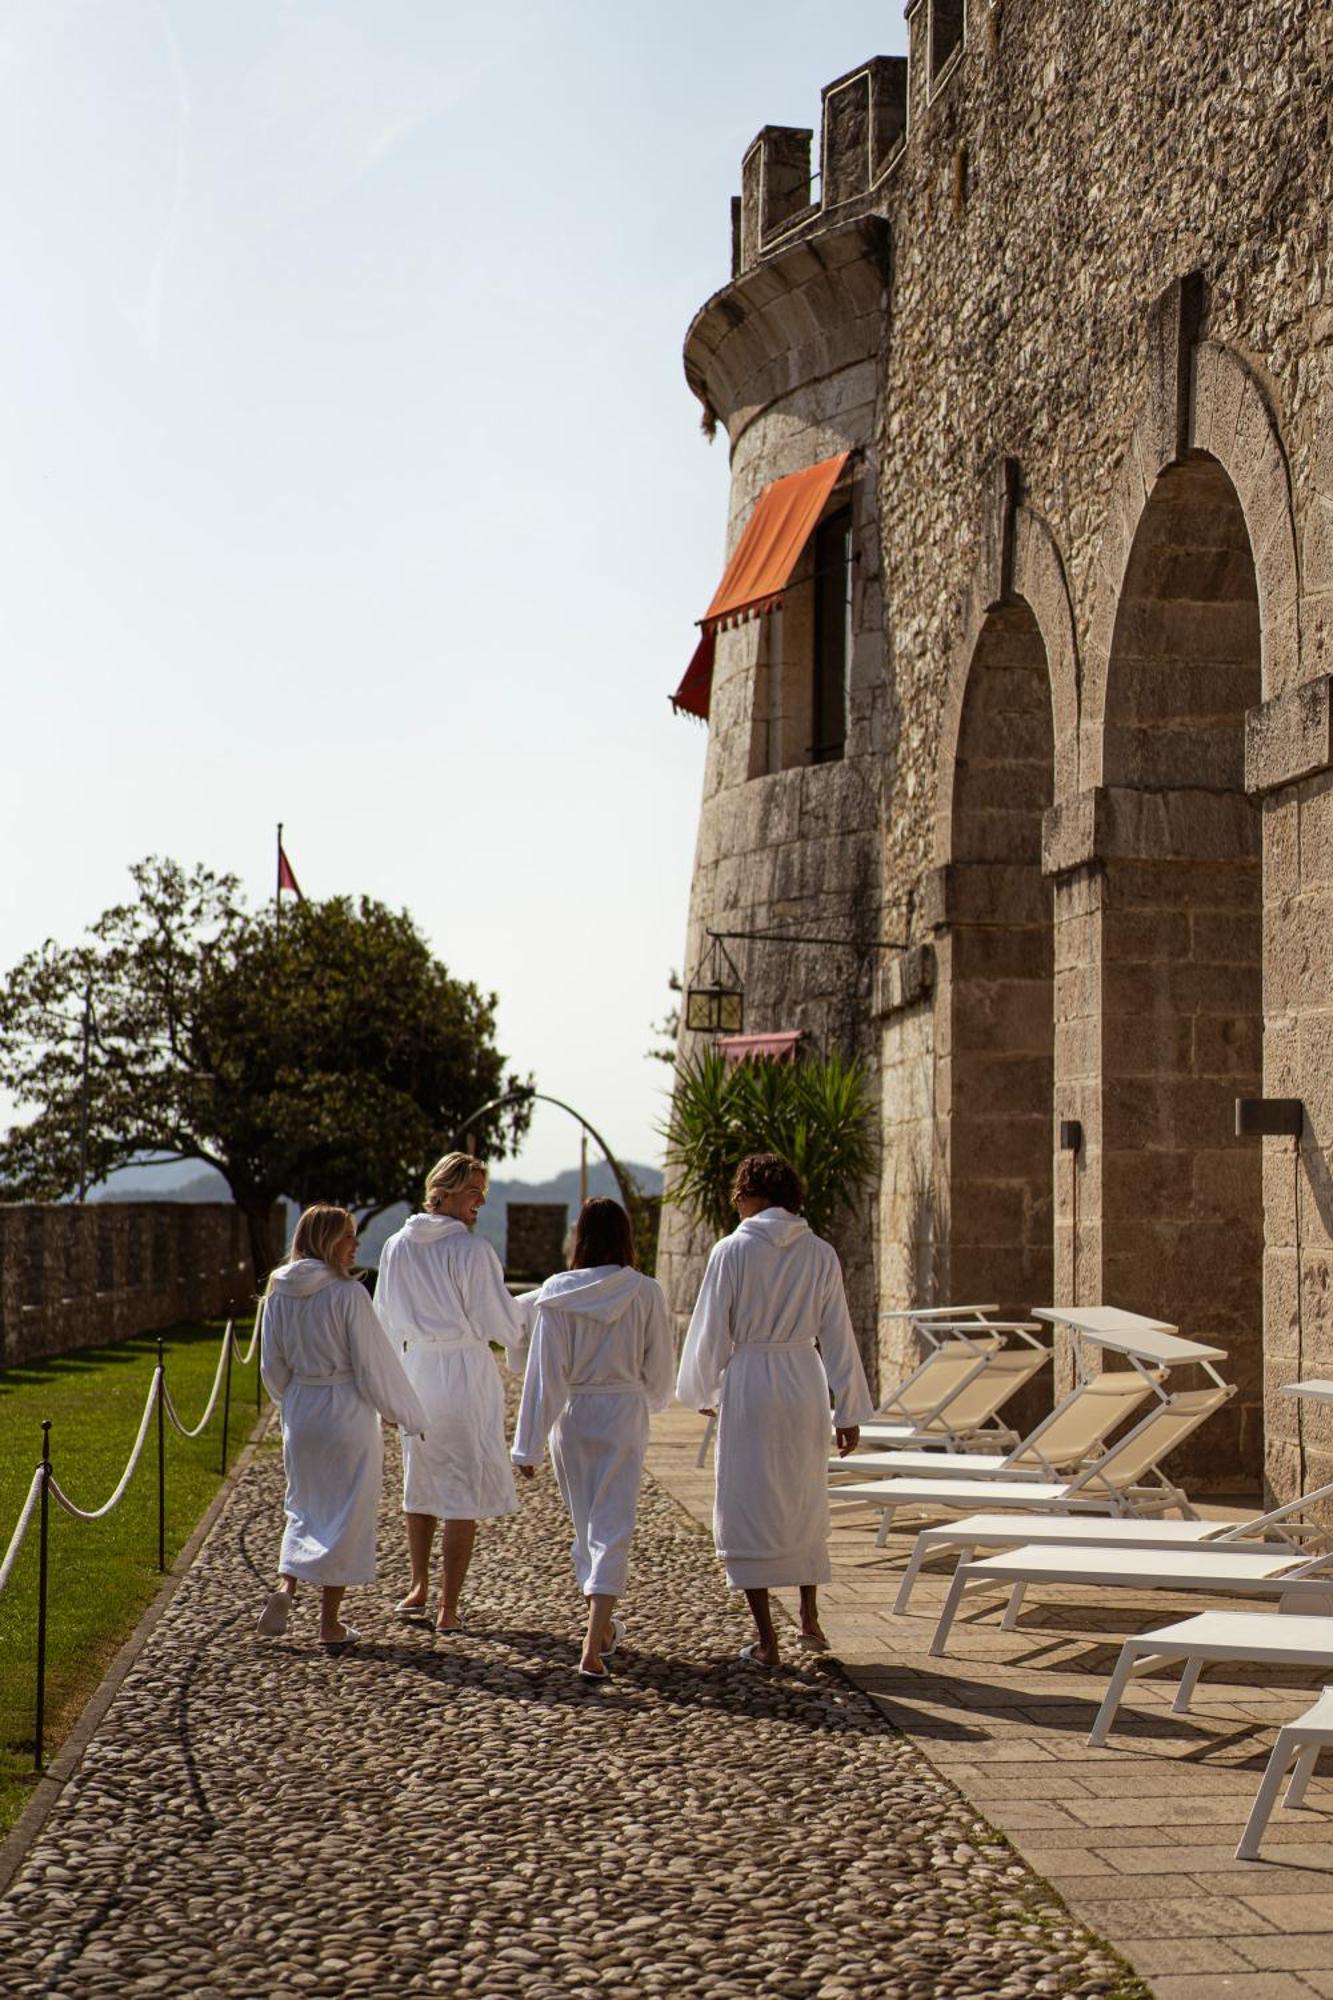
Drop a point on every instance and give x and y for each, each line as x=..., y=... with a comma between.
x=1299, y=1583
x=954, y=1397
x=1067, y=1438
x=1279, y=1529
x=1226, y=1560
x=1114, y=1485
x=1299, y=1744
x=1091, y=1531
x=1077, y=1428
x=1256, y=1638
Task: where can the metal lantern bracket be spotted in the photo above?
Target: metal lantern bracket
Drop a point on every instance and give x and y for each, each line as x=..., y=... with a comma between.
x=715, y=1007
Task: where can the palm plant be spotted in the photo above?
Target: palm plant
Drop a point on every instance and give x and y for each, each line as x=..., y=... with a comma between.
x=818, y=1113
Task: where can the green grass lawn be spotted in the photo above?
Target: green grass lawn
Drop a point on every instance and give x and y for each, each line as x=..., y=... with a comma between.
x=103, y=1573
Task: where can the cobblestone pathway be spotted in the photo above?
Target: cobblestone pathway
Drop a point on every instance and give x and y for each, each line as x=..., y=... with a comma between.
x=432, y=1817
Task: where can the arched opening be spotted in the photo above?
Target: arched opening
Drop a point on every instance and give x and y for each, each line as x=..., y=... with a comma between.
x=1001, y=1035
x=1182, y=1027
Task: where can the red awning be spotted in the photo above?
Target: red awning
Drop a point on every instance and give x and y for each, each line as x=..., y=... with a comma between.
x=781, y=523
x=760, y=1048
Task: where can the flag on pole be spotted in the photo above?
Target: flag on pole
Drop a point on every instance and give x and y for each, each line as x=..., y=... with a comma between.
x=286, y=875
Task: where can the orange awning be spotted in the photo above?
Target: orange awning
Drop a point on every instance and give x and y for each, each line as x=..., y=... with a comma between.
x=781, y=523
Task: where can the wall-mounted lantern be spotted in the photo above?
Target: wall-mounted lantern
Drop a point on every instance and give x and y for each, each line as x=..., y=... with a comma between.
x=715, y=998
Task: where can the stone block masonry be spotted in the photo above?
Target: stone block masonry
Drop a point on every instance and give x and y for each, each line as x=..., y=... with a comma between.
x=535, y=1238
x=1065, y=290
x=82, y=1276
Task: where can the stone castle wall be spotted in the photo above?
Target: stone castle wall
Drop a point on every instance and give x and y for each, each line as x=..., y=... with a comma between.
x=83, y=1276
x=1095, y=394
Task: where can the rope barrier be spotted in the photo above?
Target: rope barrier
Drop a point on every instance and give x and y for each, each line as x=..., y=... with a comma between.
x=99, y=1513
x=16, y=1539
x=202, y=1424
x=244, y=1360
x=45, y=1486
x=158, y=1386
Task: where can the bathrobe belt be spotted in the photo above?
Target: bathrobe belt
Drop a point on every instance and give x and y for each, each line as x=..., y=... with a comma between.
x=324, y=1381
x=606, y=1389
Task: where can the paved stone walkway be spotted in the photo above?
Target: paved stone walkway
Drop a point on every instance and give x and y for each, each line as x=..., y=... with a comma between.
x=427, y=1817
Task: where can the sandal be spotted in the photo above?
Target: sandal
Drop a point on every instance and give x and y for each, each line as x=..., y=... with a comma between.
x=349, y=1639
x=273, y=1618
x=617, y=1634
x=587, y=1674
x=749, y=1657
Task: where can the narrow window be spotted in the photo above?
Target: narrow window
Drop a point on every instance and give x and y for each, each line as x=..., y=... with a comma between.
x=832, y=636
x=946, y=35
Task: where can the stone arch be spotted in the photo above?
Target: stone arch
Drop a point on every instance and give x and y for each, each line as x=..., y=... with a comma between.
x=1036, y=575
x=994, y=994
x=1182, y=932
x=1229, y=418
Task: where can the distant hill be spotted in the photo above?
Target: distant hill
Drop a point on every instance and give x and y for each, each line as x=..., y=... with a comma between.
x=187, y=1180
x=178, y=1180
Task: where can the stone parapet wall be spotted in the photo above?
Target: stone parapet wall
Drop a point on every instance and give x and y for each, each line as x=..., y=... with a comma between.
x=81, y=1276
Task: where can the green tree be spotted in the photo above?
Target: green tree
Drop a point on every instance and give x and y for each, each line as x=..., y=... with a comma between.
x=819, y=1113
x=326, y=1055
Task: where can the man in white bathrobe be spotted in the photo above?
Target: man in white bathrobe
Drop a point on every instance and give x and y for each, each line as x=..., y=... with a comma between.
x=441, y=1295
x=770, y=1342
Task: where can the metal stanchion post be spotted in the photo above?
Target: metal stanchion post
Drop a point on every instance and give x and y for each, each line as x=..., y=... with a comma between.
x=161, y=1459
x=42, y=1572
x=226, y=1400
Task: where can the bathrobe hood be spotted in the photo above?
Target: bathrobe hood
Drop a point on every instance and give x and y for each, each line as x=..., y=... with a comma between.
x=429, y=1228
x=777, y=1226
x=306, y=1275
x=602, y=1294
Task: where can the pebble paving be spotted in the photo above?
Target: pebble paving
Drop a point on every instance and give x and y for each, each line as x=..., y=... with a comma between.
x=464, y=1816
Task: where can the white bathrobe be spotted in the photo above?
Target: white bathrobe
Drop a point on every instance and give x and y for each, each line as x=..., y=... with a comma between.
x=602, y=1357
x=328, y=1365
x=772, y=1290
x=441, y=1294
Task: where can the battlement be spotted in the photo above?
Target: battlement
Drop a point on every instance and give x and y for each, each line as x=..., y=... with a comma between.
x=863, y=127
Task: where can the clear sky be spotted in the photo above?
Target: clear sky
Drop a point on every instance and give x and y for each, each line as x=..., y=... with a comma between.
x=350, y=477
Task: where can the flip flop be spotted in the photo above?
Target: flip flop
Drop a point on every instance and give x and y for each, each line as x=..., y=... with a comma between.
x=814, y=1643
x=617, y=1634
x=749, y=1657
x=412, y=1614
x=343, y=1645
x=587, y=1674
x=449, y=1631
x=273, y=1618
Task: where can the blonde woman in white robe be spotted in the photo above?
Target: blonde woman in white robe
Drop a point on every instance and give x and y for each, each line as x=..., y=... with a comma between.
x=770, y=1342
x=441, y=1295
x=328, y=1366
x=602, y=1360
